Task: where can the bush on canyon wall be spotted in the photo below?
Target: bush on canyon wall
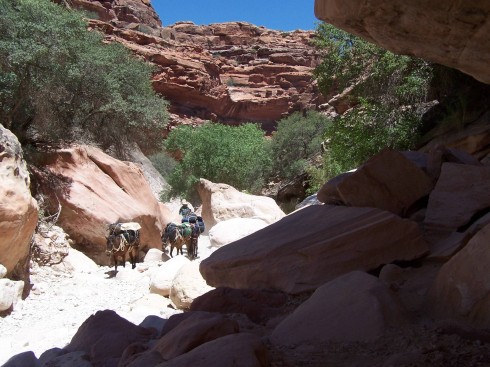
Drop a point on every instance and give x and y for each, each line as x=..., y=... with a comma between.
x=60, y=81
x=235, y=155
x=388, y=98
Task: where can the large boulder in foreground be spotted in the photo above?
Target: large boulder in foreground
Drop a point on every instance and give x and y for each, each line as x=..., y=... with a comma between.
x=453, y=33
x=94, y=190
x=18, y=209
x=221, y=202
x=354, y=307
x=461, y=289
x=238, y=350
x=387, y=181
x=312, y=246
x=105, y=335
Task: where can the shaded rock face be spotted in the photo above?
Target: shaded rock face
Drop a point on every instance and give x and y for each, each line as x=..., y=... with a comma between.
x=18, y=209
x=95, y=190
x=460, y=194
x=452, y=33
x=388, y=181
x=461, y=290
x=353, y=307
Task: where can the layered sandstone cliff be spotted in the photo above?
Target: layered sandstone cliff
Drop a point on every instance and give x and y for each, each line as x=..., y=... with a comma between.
x=230, y=72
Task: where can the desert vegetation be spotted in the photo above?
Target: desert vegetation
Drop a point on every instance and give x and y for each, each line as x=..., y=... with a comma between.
x=59, y=81
x=386, y=97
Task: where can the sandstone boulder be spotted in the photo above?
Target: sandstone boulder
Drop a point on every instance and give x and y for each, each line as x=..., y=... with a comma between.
x=233, y=229
x=221, y=202
x=388, y=181
x=312, y=246
x=187, y=285
x=10, y=293
x=95, y=190
x=162, y=277
x=460, y=291
x=151, y=304
x=452, y=33
x=155, y=255
x=258, y=304
x=77, y=262
x=460, y=193
x=353, y=307
x=105, y=335
x=199, y=328
x=18, y=210
x=238, y=350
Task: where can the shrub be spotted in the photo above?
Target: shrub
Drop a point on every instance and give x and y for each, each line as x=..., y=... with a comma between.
x=60, y=81
x=163, y=163
x=298, y=138
x=388, y=98
x=237, y=156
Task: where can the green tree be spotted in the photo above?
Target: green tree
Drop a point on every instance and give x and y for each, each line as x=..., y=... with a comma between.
x=388, y=98
x=60, y=81
x=298, y=138
x=236, y=155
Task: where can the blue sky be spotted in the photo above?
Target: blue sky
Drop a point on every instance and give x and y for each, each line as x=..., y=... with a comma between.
x=285, y=15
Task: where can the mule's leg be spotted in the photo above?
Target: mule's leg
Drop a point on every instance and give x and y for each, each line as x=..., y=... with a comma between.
x=115, y=263
x=172, y=249
x=132, y=257
x=195, y=247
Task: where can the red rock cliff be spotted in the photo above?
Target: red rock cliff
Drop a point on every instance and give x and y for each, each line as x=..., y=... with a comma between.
x=231, y=72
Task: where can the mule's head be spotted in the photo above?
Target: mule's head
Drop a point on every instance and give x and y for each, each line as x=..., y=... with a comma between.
x=165, y=238
x=110, y=244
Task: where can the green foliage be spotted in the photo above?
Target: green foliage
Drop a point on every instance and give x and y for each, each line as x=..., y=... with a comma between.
x=298, y=138
x=237, y=156
x=163, y=163
x=60, y=81
x=388, y=98
x=363, y=132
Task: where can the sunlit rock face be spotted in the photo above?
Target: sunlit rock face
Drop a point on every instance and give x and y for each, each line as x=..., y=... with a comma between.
x=18, y=209
x=94, y=190
x=452, y=33
x=127, y=11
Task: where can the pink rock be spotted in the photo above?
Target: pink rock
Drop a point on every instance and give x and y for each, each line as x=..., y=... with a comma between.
x=309, y=247
x=95, y=190
x=353, y=307
x=387, y=181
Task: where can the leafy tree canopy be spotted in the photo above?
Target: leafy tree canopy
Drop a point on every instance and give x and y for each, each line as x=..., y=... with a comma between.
x=298, y=138
x=235, y=155
x=60, y=81
x=388, y=98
